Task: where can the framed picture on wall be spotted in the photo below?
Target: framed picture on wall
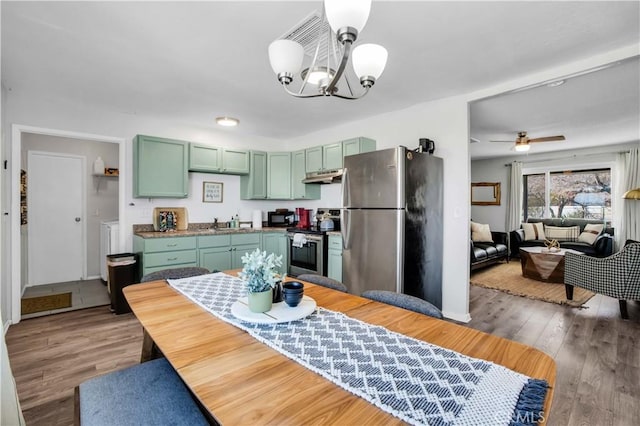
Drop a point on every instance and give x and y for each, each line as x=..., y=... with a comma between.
x=211, y=192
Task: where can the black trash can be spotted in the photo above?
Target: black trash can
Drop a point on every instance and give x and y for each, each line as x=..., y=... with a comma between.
x=122, y=271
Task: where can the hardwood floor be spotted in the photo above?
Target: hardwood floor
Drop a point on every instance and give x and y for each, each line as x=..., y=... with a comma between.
x=51, y=355
x=597, y=353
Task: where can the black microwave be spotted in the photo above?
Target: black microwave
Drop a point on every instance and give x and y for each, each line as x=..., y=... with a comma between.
x=287, y=218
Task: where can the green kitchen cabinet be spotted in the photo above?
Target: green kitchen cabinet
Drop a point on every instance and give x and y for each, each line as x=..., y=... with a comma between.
x=254, y=185
x=222, y=252
x=204, y=158
x=325, y=157
x=279, y=175
x=213, y=159
x=160, y=167
x=299, y=190
x=214, y=252
x=165, y=252
x=278, y=244
x=334, y=257
x=357, y=146
x=235, y=161
x=241, y=244
x=313, y=157
x=332, y=156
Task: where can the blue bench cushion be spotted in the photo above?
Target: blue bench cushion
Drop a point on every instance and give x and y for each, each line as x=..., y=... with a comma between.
x=150, y=393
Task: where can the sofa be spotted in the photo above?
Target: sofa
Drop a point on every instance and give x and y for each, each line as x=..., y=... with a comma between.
x=487, y=253
x=601, y=247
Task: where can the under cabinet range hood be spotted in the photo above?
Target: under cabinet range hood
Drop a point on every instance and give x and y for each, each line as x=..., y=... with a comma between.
x=325, y=176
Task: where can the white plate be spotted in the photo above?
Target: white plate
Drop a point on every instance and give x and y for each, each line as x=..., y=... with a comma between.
x=280, y=312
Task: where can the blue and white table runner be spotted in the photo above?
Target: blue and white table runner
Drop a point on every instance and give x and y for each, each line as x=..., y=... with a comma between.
x=416, y=381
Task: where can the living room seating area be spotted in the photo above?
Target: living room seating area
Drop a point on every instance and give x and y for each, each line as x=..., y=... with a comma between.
x=487, y=247
x=590, y=237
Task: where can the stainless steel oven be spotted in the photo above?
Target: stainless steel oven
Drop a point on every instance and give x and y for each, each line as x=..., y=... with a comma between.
x=311, y=258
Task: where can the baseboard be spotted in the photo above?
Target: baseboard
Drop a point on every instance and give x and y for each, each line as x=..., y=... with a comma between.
x=457, y=317
x=5, y=326
x=93, y=277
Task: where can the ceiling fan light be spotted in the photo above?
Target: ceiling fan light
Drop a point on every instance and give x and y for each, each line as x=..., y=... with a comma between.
x=347, y=13
x=521, y=147
x=286, y=57
x=369, y=60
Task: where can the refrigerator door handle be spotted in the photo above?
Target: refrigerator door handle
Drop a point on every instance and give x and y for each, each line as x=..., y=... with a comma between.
x=344, y=188
x=345, y=226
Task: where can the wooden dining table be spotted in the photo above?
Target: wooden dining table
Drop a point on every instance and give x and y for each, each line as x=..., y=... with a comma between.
x=240, y=380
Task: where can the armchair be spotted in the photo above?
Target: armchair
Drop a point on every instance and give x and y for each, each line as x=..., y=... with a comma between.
x=615, y=276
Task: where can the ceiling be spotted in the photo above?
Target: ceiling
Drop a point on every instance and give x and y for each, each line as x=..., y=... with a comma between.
x=189, y=62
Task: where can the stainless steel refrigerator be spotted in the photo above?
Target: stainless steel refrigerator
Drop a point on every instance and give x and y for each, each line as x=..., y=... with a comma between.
x=391, y=223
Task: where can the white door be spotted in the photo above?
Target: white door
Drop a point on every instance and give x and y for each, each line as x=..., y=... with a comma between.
x=56, y=225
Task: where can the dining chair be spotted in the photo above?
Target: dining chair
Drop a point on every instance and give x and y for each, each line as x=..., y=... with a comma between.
x=405, y=301
x=147, y=393
x=323, y=281
x=615, y=276
x=174, y=273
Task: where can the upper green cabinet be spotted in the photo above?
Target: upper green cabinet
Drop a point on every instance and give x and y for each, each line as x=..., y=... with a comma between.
x=299, y=190
x=160, y=167
x=326, y=157
x=235, y=161
x=313, y=157
x=357, y=146
x=332, y=156
x=204, y=158
x=212, y=159
x=254, y=185
x=279, y=175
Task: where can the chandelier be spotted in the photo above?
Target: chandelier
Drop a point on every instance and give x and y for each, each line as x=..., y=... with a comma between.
x=341, y=22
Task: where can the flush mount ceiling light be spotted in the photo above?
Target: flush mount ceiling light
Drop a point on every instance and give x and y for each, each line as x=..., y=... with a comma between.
x=332, y=36
x=227, y=121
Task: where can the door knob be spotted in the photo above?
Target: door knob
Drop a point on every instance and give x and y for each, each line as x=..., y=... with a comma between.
x=77, y=219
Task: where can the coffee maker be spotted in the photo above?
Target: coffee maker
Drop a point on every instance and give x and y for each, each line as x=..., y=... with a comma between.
x=304, y=218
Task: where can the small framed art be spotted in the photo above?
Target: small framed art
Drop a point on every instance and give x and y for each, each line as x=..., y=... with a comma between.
x=211, y=192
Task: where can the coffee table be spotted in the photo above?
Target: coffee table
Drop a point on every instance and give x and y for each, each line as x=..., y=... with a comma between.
x=542, y=265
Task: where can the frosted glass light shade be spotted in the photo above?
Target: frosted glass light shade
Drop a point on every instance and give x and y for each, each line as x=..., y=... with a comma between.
x=286, y=56
x=347, y=13
x=369, y=60
x=522, y=147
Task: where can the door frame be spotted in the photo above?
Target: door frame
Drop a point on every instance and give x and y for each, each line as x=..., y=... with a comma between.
x=83, y=209
x=14, y=178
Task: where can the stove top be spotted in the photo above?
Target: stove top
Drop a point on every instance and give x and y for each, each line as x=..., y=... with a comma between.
x=310, y=230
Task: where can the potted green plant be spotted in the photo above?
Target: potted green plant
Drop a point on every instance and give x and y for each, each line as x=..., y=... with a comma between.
x=260, y=275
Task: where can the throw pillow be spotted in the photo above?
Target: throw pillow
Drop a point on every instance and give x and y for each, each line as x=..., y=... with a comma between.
x=480, y=233
x=590, y=233
x=533, y=231
x=562, y=233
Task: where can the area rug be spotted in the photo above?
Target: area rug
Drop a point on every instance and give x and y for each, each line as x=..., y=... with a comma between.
x=507, y=277
x=31, y=305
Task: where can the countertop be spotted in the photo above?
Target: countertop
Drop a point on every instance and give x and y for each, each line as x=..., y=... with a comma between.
x=144, y=232
x=205, y=231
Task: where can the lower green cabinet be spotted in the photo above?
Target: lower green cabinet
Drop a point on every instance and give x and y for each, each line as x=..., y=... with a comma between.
x=277, y=243
x=334, y=258
x=214, y=252
x=222, y=252
x=166, y=252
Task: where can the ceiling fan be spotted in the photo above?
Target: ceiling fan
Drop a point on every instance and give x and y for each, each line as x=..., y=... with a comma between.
x=522, y=141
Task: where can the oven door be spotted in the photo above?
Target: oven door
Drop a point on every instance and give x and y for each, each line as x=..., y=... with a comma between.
x=307, y=259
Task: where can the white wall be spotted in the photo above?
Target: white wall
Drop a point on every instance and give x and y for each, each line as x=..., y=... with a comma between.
x=445, y=122
x=102, y=192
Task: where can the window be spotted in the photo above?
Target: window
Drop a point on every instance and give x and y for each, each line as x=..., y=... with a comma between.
x=584, y=194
